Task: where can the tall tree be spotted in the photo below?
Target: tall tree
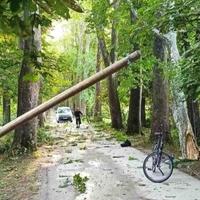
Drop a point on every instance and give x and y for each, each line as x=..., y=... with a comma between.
x=97, y=106
x=136, y=107
x=9, y=69
x=160, y=116
x=108, y=58
x=188, y=143
x=25, y=19
x=114, y=105
x=192, y=102
x=28, y=88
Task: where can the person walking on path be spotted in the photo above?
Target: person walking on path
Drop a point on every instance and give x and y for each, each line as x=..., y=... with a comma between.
x=77, y=115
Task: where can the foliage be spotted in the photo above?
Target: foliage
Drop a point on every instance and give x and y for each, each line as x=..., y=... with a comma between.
x=80, y=182
x=5, y=144
x=10, y=64
x=44, y=137
x=12, y=12
x=184, y=17
x=119, y=136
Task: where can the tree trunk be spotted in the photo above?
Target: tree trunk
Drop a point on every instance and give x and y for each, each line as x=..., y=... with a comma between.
x=6, y=107
x=133, y=115
x=160, y=115
x=41, y=117
x=115, y=107
x=193, y=113
x=143, y=113
x=136, y=108
x=140, y=104
x=97, y=106
x=192, y=105
x=28, y=89
x=188, y=144
x=114, y=104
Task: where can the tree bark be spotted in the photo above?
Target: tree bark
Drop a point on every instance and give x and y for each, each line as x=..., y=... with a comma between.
x=114, y=104
x=143, y=113
x=136, y=108
x=193, y=113
x=28, y=89
x=41, y=117
x=160, y=115
x=97, y=106
x=133, y=115
x=192, y=104
x=188, y=144
x=6, y=107
x=140, y=104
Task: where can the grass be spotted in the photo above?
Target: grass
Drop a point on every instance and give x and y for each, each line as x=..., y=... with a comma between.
x=119, y=136
x=132, y=158
x=80, y=182
x=44, y=136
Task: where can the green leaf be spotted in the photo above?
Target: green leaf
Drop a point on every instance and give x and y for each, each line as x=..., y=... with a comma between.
x=15, y=5
x=31, y=77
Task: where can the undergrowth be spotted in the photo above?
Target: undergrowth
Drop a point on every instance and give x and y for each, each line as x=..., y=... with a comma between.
x=143, y=142
x=44, y=137
x=5, y=143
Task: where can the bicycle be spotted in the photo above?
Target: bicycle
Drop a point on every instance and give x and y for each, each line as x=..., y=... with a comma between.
x=158, y=166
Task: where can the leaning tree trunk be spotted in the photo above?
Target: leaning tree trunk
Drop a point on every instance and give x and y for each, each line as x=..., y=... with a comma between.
x=6, y=106
x=160, y=115
x=28, y=89
x=97, y=106
x=187, y=139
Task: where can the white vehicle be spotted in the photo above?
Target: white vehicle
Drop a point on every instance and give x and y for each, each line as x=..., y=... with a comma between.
x=63, y=114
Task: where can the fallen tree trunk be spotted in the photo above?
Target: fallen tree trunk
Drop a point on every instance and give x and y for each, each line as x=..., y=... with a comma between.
x=69, y=93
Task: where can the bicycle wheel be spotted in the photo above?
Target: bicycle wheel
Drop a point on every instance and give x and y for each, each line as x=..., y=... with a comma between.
x=158, y=168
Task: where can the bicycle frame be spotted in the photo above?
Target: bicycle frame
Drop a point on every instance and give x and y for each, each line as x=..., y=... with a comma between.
x=158, y=161
x=158, y=150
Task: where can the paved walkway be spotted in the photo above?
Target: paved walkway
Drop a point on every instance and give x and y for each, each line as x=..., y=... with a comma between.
x=112, y=176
